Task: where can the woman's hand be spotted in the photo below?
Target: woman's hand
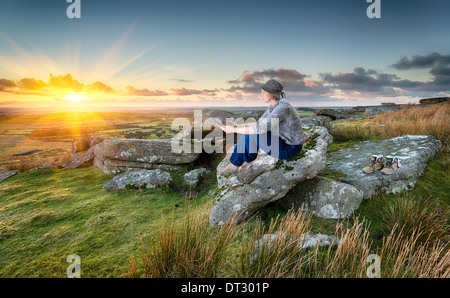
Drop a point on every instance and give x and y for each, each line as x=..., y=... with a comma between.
x=228, y=128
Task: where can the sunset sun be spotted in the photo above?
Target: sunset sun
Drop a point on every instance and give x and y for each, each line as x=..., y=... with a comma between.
x=76, y=97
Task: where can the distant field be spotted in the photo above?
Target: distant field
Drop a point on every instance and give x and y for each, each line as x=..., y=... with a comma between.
x=304, y=113
x=56, y=131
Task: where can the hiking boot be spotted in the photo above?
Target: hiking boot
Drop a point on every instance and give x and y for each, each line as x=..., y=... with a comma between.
x=392, y=165
x=377, y=162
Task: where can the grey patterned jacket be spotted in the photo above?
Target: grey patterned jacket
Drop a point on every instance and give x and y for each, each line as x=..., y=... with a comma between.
x=288, y=126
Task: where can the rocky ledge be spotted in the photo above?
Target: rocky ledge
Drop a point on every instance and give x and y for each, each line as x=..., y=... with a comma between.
x=115, y=155
x=267, y=179
x=339, y=189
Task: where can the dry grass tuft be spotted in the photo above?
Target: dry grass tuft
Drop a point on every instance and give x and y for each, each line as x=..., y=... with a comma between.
x=419, y=120
x=186, y=249
x=278, y=257
x=348, y=259
x=423, y=218
x=404, y=256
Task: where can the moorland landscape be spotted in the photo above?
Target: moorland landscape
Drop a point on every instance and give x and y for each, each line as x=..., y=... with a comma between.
x=67, y=187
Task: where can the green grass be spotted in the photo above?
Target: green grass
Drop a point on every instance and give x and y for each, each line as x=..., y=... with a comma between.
x=46, y=215
x=304, y=113
x=18, y=132
x=336, y=146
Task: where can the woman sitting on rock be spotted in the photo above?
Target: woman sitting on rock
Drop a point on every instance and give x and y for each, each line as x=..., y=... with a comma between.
x=280, y=123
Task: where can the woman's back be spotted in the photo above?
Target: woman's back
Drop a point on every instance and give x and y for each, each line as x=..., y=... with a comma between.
x=289, y=125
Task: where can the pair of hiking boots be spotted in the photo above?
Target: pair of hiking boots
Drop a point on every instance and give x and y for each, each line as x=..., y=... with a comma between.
x=387, y=165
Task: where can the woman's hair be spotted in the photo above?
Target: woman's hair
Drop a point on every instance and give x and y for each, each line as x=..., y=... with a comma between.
x=271, y=95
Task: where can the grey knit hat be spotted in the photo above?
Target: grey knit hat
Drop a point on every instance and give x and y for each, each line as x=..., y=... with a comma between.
x=274, y=87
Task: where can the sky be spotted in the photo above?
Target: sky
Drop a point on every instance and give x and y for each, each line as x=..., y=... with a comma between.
x=138, y=53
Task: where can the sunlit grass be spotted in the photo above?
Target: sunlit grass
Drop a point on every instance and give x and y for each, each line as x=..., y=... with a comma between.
x=433, y=120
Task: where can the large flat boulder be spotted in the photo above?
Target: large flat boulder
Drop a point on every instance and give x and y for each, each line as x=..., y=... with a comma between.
x=324, y=198
x=414, y=151
x=114, y=155
x=80, y=158
x=139, y=179
x=267, y=179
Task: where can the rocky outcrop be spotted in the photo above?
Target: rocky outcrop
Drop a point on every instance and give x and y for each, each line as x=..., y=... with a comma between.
x=193, y=177
x=427, y=101
x=7, y=174
x=139, y=179
x=389, y=104
x=115, y=155
x=45, y=166
x=373, y=110
x=332, y=113
x=414, y=151
x=83, y=158
x=310, y=121
x=306, y=240
x=80, y=144
x=267, y=179
x=26, y=152
x=324, y=198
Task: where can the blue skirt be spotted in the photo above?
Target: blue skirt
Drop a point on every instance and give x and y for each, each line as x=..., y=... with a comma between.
x=247, y=147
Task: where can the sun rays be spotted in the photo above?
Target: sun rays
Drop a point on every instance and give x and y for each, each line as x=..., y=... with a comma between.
x=87, y=64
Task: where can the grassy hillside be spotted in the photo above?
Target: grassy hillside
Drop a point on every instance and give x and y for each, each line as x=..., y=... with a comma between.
x=46, y=214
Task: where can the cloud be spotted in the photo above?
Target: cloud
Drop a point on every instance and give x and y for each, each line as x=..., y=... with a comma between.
x=250, y=79
x=293, y=81
x=181, y=80
x=361, y=84
x=9, y=103
x=145, y=92
x=55, y=84
x=7, y=85
x=184, y=91
x=419, y=61
x=363, y=80
x=438, y=64
x=67, y=82
x=31, y=84
x=99, y=87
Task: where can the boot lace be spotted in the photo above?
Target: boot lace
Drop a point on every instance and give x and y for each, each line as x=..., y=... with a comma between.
x=389, y=164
